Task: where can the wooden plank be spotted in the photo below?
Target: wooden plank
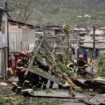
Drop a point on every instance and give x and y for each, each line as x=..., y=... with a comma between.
x=44, y=47
x=32, y=60
x=46, y=75
x=7, y=81
x=52, y=94
x=46, y=52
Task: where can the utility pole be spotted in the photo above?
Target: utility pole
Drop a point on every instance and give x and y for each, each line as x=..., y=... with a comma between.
x=94, y=50
x=6, y=31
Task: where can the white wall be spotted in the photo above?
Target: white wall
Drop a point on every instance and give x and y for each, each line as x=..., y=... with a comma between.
x=28, y=38
x=20, y=38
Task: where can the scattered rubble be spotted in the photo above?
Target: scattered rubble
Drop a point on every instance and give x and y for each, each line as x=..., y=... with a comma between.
x=75, y=89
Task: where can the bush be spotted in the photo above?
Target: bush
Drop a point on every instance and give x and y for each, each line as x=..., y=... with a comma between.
x=100, y=62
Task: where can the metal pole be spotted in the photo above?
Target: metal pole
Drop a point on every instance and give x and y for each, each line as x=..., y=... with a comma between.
x=94, y=50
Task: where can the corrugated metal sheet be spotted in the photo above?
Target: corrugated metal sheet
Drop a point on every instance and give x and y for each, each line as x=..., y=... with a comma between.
x=98, y=99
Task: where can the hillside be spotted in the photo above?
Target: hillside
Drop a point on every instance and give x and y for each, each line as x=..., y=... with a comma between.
x=63, y=11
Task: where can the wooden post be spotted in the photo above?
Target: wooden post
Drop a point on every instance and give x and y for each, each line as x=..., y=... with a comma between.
x=21, y=46
x=6, y=31
x=6, y=52
x=94, y=50
x=4, y=56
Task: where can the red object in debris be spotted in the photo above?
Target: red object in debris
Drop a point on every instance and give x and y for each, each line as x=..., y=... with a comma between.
x=14, y=67
x=24, y=53
x=81, y=57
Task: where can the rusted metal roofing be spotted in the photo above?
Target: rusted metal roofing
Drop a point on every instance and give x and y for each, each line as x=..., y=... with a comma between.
x=14, y=22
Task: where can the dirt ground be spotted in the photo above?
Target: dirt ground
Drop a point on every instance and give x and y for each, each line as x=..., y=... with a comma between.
x=7, y=97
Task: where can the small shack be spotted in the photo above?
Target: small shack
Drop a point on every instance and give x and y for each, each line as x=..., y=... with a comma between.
x=21, y=36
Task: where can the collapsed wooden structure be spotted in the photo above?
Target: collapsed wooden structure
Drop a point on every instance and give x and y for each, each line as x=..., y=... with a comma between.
x=44, y=51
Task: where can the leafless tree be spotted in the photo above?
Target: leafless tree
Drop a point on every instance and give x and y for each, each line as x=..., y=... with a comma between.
x=21, y=9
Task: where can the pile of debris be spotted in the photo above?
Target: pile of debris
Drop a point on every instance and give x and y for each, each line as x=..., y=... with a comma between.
x=44, y=54
x=44, y=64
x=44, y=57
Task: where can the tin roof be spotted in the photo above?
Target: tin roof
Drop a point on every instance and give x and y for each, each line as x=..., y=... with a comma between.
x=87, y=41
x=14, y=22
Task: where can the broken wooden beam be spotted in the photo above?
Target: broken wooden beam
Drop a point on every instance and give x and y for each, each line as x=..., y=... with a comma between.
x=52, y=94
x=8, y=81
x=48, y=76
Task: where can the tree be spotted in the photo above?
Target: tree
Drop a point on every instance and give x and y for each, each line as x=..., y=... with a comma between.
x=65, y=29
x=22, y=9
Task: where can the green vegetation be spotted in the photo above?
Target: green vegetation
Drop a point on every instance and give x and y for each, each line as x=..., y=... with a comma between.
x=3, y=101
x=66, y=51
x=58, y=12
x=101, y=65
